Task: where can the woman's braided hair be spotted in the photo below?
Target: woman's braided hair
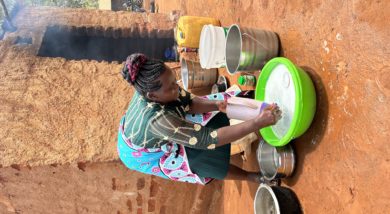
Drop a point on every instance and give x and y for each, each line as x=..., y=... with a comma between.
x=142, y=73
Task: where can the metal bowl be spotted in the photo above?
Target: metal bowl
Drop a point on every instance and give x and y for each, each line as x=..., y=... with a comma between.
x=276, y=200
x=275, y=162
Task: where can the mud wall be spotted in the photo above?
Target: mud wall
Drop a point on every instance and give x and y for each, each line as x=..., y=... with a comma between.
x=56, y=111
x=100, y=188
x=59, y=121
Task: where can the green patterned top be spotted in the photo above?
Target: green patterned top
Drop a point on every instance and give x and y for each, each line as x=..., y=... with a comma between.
x=150, y=125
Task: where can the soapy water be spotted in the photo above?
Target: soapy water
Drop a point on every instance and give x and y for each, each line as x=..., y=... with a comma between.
x=280, y=90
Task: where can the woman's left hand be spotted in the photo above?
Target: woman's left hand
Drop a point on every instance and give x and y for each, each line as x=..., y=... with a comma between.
x=222, y=104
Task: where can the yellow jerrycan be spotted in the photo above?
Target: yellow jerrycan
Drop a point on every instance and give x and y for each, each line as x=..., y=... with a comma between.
x=189, y=28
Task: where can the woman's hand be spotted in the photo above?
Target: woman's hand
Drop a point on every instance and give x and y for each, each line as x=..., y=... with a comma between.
x=221, y=105
x=200, y=106
x=269, y=116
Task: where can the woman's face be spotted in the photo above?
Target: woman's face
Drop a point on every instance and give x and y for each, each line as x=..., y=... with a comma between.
x=169, y=90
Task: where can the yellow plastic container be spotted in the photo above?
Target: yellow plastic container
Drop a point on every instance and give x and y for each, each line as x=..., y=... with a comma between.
x=189, y=28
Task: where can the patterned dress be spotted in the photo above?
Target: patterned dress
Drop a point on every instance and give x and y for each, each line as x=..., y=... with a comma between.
x=151, y=125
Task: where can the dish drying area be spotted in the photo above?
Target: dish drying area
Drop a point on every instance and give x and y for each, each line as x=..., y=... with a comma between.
x=320, y=71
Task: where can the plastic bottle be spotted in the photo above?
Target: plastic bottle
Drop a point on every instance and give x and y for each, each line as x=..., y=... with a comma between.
x=247, y=80
x=243, y=108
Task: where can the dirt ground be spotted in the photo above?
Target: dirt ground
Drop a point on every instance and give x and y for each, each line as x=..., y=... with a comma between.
x=100, y=188
x=343, y=159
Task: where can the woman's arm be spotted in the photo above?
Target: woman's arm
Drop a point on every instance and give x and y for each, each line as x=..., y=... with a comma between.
x=229, y=134
x=199, y=106
x=169, y=126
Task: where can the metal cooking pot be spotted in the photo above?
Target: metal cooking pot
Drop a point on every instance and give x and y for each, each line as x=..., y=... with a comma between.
x=276, y=200
x=275, y=162
x=248, y=49
x=194, y=76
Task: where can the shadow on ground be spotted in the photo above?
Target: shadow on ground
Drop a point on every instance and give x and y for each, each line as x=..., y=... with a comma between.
x=309, y=141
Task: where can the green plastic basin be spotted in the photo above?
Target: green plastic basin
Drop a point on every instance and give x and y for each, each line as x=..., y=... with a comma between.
x=305, y=101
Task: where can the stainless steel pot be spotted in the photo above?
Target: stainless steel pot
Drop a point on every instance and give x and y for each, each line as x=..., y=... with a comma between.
x=276, y=200
x=275, y=162
x=194, y=76
x=248, y=49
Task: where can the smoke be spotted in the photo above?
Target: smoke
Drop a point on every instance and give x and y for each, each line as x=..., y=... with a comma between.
x=97, y=43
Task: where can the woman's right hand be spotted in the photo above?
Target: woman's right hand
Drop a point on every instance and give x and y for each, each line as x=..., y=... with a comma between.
x=269, y=116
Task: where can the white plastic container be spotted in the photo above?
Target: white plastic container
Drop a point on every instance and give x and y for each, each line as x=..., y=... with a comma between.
x=212, y=46
x=243, y=108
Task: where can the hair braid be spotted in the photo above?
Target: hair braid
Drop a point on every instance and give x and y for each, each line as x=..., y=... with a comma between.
x=143, y=73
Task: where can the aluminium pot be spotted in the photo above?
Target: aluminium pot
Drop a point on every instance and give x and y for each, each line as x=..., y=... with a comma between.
x=276, y=200
x=275, y=162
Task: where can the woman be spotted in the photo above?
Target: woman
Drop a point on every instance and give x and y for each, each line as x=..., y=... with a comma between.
x=155, y=138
